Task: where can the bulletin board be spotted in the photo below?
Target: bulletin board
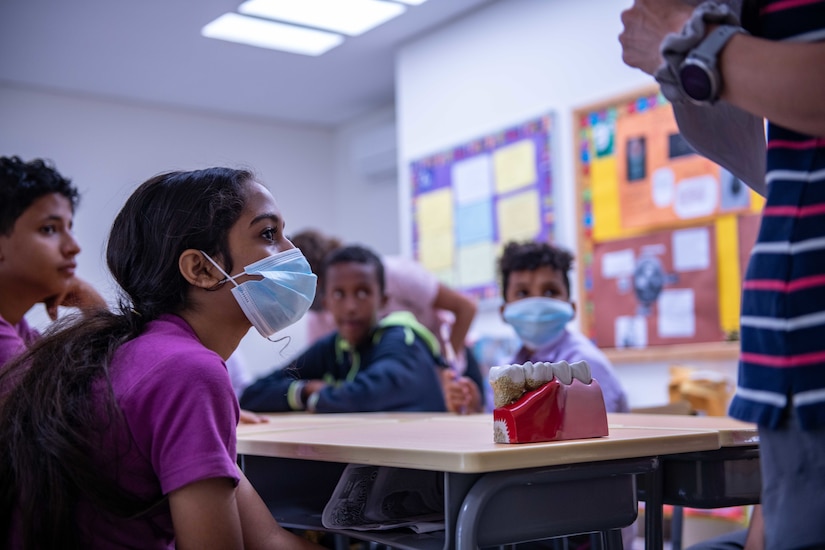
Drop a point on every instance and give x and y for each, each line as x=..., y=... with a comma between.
x=469, y=200
x=665, y=233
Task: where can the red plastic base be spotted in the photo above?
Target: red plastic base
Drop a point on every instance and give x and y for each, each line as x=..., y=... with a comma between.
x=554, y=412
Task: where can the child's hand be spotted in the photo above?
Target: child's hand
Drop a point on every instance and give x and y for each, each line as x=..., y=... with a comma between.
x=461, y=394
x=78, y=294
x=313, y=386
x=249, y=417
x=310, y=388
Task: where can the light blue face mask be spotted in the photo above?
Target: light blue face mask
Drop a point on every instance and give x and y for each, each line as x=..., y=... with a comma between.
x=538, y=321
x=281, y=297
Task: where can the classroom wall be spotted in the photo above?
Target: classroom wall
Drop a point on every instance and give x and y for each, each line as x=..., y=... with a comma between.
x=109, y=147
x=366, y=180
x=509, y=62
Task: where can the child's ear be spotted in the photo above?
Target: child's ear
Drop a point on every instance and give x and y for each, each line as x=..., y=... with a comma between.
x=197, y=270
x=384, y=300
x=573, y=304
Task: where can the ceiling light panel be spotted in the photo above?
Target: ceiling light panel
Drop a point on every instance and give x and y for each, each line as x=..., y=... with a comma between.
x=411, y=2
x=352, y=17
x=269, y=34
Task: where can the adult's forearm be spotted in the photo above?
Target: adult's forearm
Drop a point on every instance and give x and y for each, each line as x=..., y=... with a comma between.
x=459, y=330
x=780, y=81
x=462, y=308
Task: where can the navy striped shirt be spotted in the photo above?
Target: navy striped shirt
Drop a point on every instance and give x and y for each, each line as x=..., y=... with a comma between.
x=783, y=300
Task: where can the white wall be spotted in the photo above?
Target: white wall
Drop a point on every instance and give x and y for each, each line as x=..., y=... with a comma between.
x=500, y=66
x=108, y=148
x=365, y=183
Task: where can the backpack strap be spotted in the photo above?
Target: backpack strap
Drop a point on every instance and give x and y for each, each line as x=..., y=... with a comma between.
x=412, y=329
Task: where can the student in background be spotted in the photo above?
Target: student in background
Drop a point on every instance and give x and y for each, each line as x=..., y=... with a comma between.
x=37, y=250
x=445, y=312
x=409, y=286
x=767, y=73
x=120, y=428
x=367, y=364
x=536, y=291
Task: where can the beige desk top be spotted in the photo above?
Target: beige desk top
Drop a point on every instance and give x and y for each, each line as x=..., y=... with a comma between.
x=304, y=421
x=732, y=433
x=451, y=443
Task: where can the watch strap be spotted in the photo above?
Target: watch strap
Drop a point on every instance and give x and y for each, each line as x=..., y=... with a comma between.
x=709, y=48
x=675, y=47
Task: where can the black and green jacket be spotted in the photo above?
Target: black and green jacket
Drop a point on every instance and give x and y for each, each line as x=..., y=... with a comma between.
x=395, y=370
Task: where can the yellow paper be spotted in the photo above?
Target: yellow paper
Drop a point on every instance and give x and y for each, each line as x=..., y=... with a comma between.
x=515, y=166
x=727, y=250
x=446, y=277
x=476, y=265
x=436, y=252
x=604, y=186
x=518, y=216
x=434, y=213
x=757, y=202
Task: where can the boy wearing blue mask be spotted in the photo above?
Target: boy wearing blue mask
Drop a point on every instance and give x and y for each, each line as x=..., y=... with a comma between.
x=366, y=365
x=536, y=291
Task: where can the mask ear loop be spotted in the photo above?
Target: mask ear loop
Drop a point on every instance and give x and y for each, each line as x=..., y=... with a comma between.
x=286, y=337
x=219, y=268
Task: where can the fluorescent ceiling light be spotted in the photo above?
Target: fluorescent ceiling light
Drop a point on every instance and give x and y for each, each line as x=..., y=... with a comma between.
x=269, y=34
x=352, y=17
x=411, y=2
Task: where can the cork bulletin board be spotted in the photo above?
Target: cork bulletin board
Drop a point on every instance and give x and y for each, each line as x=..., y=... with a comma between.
x=664, y=233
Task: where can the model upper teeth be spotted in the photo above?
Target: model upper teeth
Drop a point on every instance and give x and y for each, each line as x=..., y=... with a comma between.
x=510, y=382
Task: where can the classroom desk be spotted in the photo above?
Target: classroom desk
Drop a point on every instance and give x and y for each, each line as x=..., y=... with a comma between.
x=727, y=476
x=494, y=493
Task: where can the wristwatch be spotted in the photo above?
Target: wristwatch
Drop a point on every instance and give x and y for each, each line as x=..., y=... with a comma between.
x=699, y=74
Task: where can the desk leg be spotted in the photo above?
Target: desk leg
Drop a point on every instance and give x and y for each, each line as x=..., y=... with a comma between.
x=677, y=525
x=610, y=539
x=456, y=487
x=654, y=517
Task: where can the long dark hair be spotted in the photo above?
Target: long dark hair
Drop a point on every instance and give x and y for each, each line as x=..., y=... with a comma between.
x=52, y=416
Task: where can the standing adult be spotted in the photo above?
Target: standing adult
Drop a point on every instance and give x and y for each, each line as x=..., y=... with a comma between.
x=771, y=68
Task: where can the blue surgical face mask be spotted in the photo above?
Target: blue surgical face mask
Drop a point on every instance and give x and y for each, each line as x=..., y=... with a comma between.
x=538, y=321
x=281, y=297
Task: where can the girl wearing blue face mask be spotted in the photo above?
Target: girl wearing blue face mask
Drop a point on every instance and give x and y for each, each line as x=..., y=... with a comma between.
x=537, y=305
x=120, y=428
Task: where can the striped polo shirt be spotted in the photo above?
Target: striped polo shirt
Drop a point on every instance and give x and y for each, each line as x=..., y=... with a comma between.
x=783, y=301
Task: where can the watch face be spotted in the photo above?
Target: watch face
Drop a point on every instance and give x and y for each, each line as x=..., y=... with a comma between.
x=696, y=82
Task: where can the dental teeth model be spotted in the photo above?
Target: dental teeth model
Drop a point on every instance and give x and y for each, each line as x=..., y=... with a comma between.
x=510, y=382
x=546, y=402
